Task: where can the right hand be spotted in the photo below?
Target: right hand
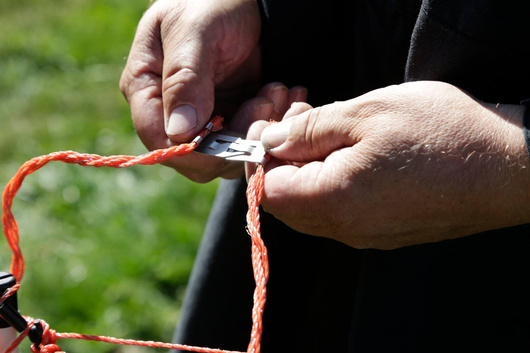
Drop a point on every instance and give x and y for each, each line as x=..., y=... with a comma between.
x=402, y=165
x=186, y=55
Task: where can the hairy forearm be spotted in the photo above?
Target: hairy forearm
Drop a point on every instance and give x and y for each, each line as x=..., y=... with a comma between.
x=414, y=163
x=510, y=190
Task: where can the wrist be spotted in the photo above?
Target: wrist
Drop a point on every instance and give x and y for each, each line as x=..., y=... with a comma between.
x=526, y=123
x=512, y=185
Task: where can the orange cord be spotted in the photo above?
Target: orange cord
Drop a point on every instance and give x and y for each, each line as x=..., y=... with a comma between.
x=260, y=258
x=259, y=251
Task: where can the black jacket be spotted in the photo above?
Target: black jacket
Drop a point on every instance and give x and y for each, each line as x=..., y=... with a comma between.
x=468, y=294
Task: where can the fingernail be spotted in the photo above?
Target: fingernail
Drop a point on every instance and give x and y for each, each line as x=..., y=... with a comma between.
x=275, y=134
x=265, y=111
x=182, y=119
x=300, y=94
x=279, y=97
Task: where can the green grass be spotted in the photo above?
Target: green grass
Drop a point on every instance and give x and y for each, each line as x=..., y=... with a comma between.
x=107, y=251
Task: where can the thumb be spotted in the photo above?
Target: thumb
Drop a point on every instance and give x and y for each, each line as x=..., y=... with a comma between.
x=187, y=87
x=311, y=135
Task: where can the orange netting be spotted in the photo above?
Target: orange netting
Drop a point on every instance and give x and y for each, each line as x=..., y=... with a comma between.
x=259, y=252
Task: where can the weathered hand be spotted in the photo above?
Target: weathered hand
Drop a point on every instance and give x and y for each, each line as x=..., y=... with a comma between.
x=408, y=164
x=186, y=56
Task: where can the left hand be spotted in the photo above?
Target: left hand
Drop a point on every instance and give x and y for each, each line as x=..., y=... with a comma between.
x=408, y=164
x=187, y=57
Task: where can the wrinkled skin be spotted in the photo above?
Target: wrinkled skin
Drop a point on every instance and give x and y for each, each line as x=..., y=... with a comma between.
x=188, y=57
x=407, y=164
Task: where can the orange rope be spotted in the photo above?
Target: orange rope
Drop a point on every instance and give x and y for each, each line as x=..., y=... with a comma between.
x=260, y=258
x=259, y=252
x=50, y=336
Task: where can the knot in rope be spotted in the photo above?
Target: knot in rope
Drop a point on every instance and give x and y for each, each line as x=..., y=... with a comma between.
x=43, y=337
x=49, y=348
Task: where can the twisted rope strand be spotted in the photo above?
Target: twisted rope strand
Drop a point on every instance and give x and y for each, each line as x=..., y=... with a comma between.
x=50, y=336
x=259, y=251
x=260, y=263
x=84, y=159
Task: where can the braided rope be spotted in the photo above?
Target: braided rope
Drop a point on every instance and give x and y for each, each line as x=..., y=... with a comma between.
x=260, y=259
x=259, y=252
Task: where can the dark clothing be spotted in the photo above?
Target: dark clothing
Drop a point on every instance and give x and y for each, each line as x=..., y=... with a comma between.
x=468, y=294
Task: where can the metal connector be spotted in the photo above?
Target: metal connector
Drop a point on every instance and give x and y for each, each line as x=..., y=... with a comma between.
x=232, y=148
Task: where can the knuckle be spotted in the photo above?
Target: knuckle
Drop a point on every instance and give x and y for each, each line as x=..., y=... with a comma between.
x=197, y=176
x=124, y=84
x=200, y=178
x=177, y=79
x=202, y=170
x=311, y=130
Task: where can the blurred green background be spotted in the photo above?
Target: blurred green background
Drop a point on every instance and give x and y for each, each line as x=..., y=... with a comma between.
x=108, y=251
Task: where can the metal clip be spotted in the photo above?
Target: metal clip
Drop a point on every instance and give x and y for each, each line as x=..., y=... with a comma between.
x=232, y=148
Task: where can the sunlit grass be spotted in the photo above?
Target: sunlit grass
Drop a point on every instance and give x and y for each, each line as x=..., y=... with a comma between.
x=108, y=251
